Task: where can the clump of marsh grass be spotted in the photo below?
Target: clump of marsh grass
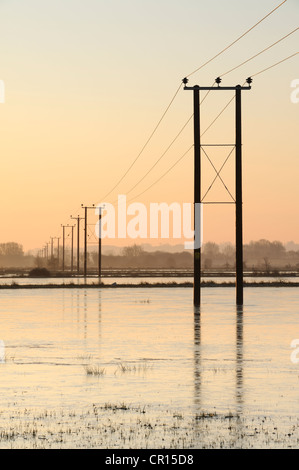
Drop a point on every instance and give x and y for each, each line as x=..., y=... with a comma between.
x=204, y=415
x=115, y=407
x=137, y=368
x=94, y=370
x=122, y=406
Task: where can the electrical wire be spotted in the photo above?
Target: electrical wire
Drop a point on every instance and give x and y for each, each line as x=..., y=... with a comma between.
x=236, y=40
x=274, y=65
x=146, y=143
x=164, y=174
x=210, y=125
x=169, y=146
x=222, y=75
x=259, y=53
x=177, y=91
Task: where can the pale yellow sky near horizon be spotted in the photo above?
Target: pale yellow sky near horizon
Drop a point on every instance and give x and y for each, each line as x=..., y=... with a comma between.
x=86, y=83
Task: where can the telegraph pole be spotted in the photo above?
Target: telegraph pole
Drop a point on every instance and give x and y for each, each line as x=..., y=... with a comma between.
x=52, y=248
x=63, y=245
x=85, y=235
x=197, y=189
x=58, y=238
x=100, y=242
x=239, y=200
x=47, y=250
x=72, y=249
x=238, y=176
x=78, y=240
x=197, y=193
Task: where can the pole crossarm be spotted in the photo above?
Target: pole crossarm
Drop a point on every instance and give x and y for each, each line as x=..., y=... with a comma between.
x=218, y=80
x=237, y=87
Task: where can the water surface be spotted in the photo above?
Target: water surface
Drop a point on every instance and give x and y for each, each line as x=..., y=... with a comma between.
x=164, y=375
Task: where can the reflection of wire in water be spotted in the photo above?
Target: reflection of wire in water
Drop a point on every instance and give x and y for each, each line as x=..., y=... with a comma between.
x=197, y=357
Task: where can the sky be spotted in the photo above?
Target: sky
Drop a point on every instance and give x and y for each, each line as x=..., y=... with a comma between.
x=87, y=82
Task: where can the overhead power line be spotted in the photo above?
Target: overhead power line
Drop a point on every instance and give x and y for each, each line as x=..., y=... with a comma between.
x=274, y=65
x=222, y=75
x=145, y=145
x=259, y=53
x=210, y=125
x=177, y=91
x=164, y=174
x=236, y=40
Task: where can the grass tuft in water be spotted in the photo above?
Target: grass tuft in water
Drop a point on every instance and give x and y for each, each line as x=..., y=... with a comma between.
x=94, y=370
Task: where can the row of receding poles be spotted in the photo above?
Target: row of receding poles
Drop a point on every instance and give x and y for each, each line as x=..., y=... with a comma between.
x=197, y=196
x=45, y=251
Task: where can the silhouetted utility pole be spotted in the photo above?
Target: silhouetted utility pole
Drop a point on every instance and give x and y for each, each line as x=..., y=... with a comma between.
x=100, y=241
x=57, y=238
x=85, y=235
x=51, y=248
x=239, y=202
x=238, y=175
x=63, y=244
x=78, y=240
x=47, y=250
x=72, y=249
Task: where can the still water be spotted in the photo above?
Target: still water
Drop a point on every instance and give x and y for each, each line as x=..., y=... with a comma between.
x=128, y=368
x=13, y=280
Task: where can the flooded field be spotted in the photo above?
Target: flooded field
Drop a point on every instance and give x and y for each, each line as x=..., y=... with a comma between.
x=128, y=280
x=123, y=368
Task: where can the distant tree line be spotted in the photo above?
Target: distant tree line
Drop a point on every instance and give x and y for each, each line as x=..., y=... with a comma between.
x=12, y=255
x=261, y=255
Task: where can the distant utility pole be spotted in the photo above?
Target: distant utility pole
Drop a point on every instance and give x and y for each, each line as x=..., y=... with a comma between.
x=238, y=176
x=57, y=238
x=78, y=240
x=52, y=238
x=52, y=249
x=100, y=241
x=72, y=249
x=47, y=250
x=85, y=235
x=63, y=245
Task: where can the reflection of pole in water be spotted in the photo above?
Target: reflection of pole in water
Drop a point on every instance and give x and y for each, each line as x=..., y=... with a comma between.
x=78, y=307
x=100, y=316
x=197, y=357
x=85, y=313
x=239, y=359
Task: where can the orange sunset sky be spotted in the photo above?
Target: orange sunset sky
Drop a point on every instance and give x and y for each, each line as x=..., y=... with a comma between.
x=86, y=83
